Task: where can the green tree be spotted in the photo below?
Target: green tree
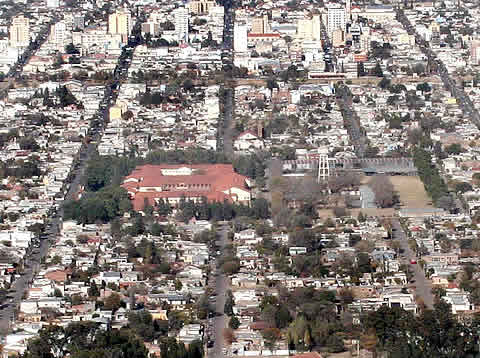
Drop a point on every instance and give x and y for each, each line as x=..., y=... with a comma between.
x=56, y=260
x=454, y=148
x=282, y=317
x=377, y=71
x=463, y=187
x=271, y=337
x=234, y=322
x=335, y=344
x=229, y=303
x=142, y=324
x=261, y=208
x=424, y=87
x=384, y=83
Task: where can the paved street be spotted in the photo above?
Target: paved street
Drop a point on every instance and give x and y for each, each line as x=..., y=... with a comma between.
x=20, y=285
x=222, y=285
x=228, y=124
x=423, y=287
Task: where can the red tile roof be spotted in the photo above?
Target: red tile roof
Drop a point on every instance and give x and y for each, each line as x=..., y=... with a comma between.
x=207, y=180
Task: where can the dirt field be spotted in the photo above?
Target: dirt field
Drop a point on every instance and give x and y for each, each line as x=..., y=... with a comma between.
x=389, y=212
x=411, y=191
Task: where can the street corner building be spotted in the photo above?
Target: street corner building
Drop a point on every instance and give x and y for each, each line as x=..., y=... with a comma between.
x=215, y=182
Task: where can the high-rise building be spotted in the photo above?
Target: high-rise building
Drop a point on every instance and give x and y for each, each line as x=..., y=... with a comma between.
x=201, y=6
x=337, y=38
x=475, y=52
x=216, y=16
x=336, y=19
x=260, y=25
x=257, y=25
x=181, y=24
x=304, y=29
x=316, y=28
x=150, y=28
x=309, y=29
x=20, y=31
x=240, y=39
x=59, y=35
x=120, y=23
x=348, y=9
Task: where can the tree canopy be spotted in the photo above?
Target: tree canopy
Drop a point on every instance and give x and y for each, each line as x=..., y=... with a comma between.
x=85, y=339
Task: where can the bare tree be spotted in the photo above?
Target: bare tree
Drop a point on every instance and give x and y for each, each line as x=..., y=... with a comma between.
x=340, y=182
x=301, y=189
x=275, y=168
x=340, y=211
x=229, y=335
x=384, y=191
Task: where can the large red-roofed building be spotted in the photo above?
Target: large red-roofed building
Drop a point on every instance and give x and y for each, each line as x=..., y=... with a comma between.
x=216, y=182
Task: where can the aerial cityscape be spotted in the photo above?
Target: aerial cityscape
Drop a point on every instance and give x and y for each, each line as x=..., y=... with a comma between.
x=219, y=178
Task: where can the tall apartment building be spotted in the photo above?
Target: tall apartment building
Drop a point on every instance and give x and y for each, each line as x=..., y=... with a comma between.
x=216, y=17
x=316, y=28
x=150, y=28
x=201, y=6
x=260, y=25
x=475, y=52
x=240, y=39
x=337, y=38
x=20, y=32
x=309, y=29
x=336, y=19
x=120, y=23
x=59, y=35
x=181, y=24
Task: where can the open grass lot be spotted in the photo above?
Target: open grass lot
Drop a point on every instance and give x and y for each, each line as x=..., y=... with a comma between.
x=411, y=192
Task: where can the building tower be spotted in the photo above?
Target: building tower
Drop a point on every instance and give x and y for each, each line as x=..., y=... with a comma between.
x=20, y=32
x=336, y=19
x=323, y=168
x=260, y=25
x=266, y=24
x=181, y=24
x=59, y=35
x=199, y=7
x=316, y=28
x=257, y=25
x=120, y=23
x=240, y=39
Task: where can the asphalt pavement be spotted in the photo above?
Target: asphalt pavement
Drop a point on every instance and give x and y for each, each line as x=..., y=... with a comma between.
x=20, y=285
x=423, y=286
x=221, y=287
